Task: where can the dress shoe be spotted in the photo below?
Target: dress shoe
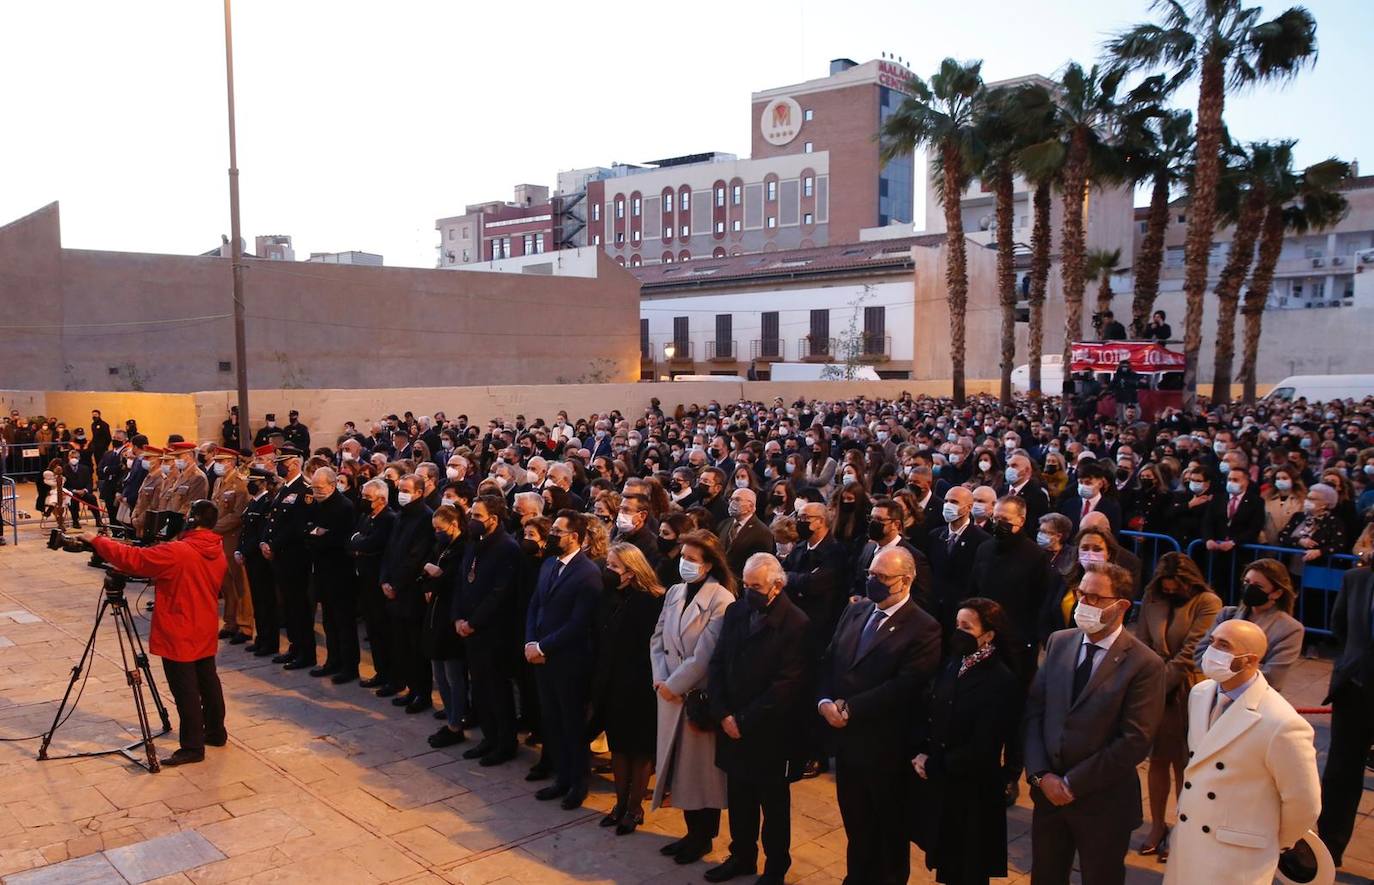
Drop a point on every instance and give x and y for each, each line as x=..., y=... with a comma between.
x=496, y=757
x=264, y=652
x=441, y=714
x=239, y=639
x=1013, y=790
x=387, y=690
x=419, y=705
x=404, y=700
x=251, y=647
x=326, y=670
x=446, y=737
x=552, y=791
x=692, y=851
x=344, y=676
x=285, y=658
x=628, y=823
x=301, y=664
x=730, y=868
x=225, y=633
x=769, y=879
x=574, y=799
x=183, y=757
x=538, y=773
x=612, y=817
x=477, y=752
x=217, y=741
x=672, y=847
x=374, y=681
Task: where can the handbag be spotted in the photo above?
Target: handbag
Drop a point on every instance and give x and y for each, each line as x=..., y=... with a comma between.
x=697, y=705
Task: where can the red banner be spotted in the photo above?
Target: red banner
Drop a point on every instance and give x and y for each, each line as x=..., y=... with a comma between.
x=1106, y=356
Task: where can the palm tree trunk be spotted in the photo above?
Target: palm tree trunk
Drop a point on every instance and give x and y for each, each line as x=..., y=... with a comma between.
x=1039, y=279
x=1072, y=245
x=956, y=268
x=1228, y=289
x=1006, y=275
x=1271, y=243
x=1151, y=257
x=1104, y=291
x=1202, y=212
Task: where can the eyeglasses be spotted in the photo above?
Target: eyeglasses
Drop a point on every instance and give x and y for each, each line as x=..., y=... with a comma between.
x=1095, y=600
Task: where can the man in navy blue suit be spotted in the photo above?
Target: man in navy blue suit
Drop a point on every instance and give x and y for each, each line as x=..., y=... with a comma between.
x=559, y=642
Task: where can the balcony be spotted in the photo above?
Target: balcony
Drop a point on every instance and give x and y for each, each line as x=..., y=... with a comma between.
x=874, y=348
x=684, y=353
x=766, y=350
x=816, y=350
x=721, y=351
x=648, y=352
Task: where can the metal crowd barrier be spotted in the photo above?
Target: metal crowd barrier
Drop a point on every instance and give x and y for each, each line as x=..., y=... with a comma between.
x=1149, y=547
x=9, y=508
x=27, y=460
x=1316, y=588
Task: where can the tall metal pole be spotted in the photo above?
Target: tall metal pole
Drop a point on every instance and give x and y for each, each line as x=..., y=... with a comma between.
x=236, y=244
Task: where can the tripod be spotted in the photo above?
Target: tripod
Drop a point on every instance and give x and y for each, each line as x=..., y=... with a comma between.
x=130, y=647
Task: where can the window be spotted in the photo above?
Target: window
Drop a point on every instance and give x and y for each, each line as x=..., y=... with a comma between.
x=500, y=247
x=634, y=207
x=1182, y=219
x=808, y=218
x=736, y=195
x=539, y=244
x=619, y=207
x=527, y=244
x=686, y=230
x=685, y=202
x=596, y=212
x=875, y=330
x=720, y=196
x=635, y=236
x=809, y=186
x=634, y=262
x=619, y=237
x=667, y=257
x=807, y=147
x=667, y=233
x=684, y=256
x=734, y=225
x=667, y=202
x=224, y=366
x=644, y=352
x=452, y=234
x=596, y=239
x=772, y=191
x=820, y=331
x=680, y=333
x=770, y=344
x=465, y=231
x=724, y=331
x=772, y=222
x=807, y=115
x=720, y=227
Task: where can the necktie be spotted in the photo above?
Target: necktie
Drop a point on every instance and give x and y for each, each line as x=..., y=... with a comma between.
x=1231, y=507
x=1087, y=508
x=557, y=570
x=1084, y=672
x=875, y=621
x=953, y=542
x=1218, y=707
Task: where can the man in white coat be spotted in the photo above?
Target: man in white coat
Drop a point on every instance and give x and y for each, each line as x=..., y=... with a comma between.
x=1250, y=790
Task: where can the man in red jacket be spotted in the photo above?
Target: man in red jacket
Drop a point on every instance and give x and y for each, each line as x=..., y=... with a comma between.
x=187, y=575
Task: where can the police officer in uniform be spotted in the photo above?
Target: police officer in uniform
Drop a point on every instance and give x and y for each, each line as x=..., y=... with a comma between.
x=262, y=585
x=296, y=433
x=264, y=434
x=284, y=546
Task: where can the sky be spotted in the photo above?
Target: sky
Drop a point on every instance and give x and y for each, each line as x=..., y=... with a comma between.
x=360, y=123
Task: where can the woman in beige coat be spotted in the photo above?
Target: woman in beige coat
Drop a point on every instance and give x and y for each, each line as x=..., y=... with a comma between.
x=680, y=652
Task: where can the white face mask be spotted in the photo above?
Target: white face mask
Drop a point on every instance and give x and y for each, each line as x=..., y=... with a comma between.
x=347, y=456
x=1085, y=557
x=220, y=467
x=689, y=570
x=1216, y=664
x=404, y=498
x=74, y=461
x=342, y=487
x=166, y=469
x=181, y=464
x=625, y=522
x=1088, y=619
x=784, y=549
x=129, y=463
x=452, y=473
x=145, y=463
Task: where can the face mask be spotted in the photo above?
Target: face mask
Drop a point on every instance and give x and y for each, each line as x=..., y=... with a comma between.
x=404, y=498
x=452, y=502
x=1216, y=664
x=963, y=643
x=502, y=482
x=1043, y=540
x=876, y=530
x=1305, y=443
x=447, y=443
x=1196, y=487
x=876, y=590
x=804, y=531
x=1286, y=485
x=950, y=512
x=984, y=466
x=1219, y=447
x=1085, y=557
x=1233, y=488
x=1087, y=618
x=882, y=436
x=980, y=510
x=741, y=483
x=1002, y=530
x=452, y=474
x=441, y=536
x=166, y=469
x=145, y=464
x=1253, y=595
x=129, y=463
x=1086, y=491
x=181, y=464
x=1051, y=469
x=784, y=549
x=1309, y=508
x=690, y=571
x=1013, y=476
x=76, y=461
x=1369, y=470
x=220, y=468
x=756, y=600
x=1122, y=474
x=666, y=544
x=810, y=441
x=625, y=522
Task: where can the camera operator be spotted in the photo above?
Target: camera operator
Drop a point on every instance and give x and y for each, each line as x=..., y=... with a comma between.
x=1108, y=329
x=187, y=573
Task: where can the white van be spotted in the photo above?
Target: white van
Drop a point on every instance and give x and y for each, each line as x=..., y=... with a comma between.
x=1322, y=388
x=1051, y=374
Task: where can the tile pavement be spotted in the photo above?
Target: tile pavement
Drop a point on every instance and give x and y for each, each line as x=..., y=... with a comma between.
x=323, y=782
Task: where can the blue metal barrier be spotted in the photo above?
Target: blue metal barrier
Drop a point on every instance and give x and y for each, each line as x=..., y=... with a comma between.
x=1316, y=588
x=1149, y=547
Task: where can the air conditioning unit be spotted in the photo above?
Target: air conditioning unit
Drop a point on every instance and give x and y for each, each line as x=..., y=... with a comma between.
x=1318, y=262
x=1337, y=260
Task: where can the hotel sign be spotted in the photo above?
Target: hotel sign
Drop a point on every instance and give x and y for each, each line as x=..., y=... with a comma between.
x=893, y=75
x=781, y=121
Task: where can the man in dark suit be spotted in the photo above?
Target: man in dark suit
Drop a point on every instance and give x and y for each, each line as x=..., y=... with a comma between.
x=632, y=526
x=884, y=650
x=296, y=433
x=559, y=642
x=283, y=545
x=953, y=548
x=922, y=483
x=1093, y=483
x=331, y=521
x=757, y=676
x=77, y=483
x=885, y=532
x=261, y=584
x=100, y=436
x=1234, y=522
x=484, y=612
x=1351, y=696
x=407, y=550
x=743, y=534
x=1091, y=717
x=1022, y=482
x=710, y=493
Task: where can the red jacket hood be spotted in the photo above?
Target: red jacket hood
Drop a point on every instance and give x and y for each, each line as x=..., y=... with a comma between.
x=205, y=542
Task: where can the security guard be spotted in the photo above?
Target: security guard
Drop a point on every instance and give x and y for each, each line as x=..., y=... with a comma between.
x=296, y=433
x=230, y=497
x=283, y=545
x=261, y=582
x=264, y=434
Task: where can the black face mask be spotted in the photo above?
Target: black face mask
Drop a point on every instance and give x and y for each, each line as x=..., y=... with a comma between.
x=1122, y=474
x=1002, y=530
x=666, y=544
x=757, y=601
x=963, y=643
x=1253, y=595
x=530, y=548
x=1051, y=469
x=804, y=531
x=477, y=529
x=876, y=530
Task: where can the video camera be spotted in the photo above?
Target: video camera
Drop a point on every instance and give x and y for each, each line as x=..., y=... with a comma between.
x=163, y=525
x=1098, y=320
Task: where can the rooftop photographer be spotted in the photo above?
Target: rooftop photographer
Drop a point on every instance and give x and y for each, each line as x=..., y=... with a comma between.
x=187, y=573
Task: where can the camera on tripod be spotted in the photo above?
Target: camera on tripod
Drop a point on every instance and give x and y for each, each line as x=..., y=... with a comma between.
x=1098, y=320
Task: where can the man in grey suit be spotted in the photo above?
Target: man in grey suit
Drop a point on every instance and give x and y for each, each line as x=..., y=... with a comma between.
x=1091, y=717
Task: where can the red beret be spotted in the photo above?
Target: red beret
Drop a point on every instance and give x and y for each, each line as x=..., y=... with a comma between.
x=265, y=450
x=222, y=452
x=182, y=447
x=153, y=450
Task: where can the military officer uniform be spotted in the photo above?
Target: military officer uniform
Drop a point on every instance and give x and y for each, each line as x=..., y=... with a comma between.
x=296, y=433
x=285, y=538
x=262, y=585
x=230, y=497
x=149, y=492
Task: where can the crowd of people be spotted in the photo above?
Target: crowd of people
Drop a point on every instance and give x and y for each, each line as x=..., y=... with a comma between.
x=939, y=599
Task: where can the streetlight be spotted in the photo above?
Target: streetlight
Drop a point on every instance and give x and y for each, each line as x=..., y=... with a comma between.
x=236, y=246
x=669, y=350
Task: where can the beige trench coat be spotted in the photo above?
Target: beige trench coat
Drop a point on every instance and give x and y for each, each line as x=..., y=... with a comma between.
x=680, y=652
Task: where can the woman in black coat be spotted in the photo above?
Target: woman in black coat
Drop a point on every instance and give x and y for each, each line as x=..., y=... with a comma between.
x=959, y=815
x=622, y=683
x=439, y=640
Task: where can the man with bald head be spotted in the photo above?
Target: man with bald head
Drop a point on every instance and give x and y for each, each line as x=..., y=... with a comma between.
x=952, y=549
x=1250, y=790
x=743, y=534
x=873, y=675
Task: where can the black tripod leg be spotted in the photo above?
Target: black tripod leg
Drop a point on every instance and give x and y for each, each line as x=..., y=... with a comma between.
x=71, y=683
x=127, y=633
x=141, y=659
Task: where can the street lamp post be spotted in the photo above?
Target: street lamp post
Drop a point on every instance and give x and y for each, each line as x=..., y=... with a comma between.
x=669, y=350
x=236, y=243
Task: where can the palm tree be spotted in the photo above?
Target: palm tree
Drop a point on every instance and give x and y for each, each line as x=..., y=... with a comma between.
x=1100, y=265
x=1085, y=112
x=996, y=142
x=1164, y=147
x=1035, y=121
x=1241, y=197
x=1297, y=203
x=939, y=117
x=1216, y=41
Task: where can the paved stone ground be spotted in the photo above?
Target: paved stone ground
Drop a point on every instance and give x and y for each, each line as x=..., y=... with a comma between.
x=323, y=782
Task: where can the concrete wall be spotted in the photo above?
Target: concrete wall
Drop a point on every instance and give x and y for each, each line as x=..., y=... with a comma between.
x=309, y=325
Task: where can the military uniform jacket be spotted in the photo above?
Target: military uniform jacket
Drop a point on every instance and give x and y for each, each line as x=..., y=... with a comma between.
x=181, y=488
x=286, y=519
x=231, y=499
x=254, y=525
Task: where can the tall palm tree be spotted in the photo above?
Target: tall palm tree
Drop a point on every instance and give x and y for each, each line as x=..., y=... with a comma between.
x=1241, y=198
x=1218, y=42
x=940, y=118
x=1100, y=265
x=1085, y=115
x=1161, y=156
x=1297, y=203
x=996, y=143
x=1035, y=113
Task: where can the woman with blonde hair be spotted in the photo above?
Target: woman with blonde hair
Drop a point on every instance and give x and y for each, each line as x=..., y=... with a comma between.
x=680, y=650
x=622, y=683
x=598, y=541
x=1283, y=497
x=1266, y=598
